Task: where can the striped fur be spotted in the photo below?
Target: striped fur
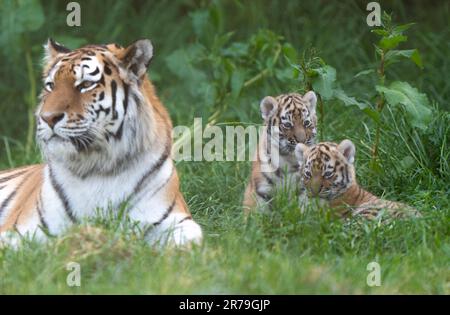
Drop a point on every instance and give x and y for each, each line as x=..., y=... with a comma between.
x=328, y=172
x=288, y=119
x=106, y=139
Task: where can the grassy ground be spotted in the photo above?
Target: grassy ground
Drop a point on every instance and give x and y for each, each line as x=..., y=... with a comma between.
x=284, y=251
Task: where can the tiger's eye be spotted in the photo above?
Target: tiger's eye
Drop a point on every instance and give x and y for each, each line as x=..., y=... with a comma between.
x=307, y=174
x=307, y=123
x=328, y=174
x=49, y=86
x=85, y=85
x=287, y=125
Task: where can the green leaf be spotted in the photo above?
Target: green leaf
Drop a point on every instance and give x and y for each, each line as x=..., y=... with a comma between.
x=323, y=81
x=236, y=50
x=348, y=100
x=290, y=52
x=373, y=114
x=415, y=104
x=380, y=31
x=364, y=72
x=237, y=82
x=395, y=55
x=392, y=41
x=399, y=29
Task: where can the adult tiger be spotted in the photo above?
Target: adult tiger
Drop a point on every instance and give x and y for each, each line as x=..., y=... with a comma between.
x=288, y=119
x=328, y=172
x=106, y=140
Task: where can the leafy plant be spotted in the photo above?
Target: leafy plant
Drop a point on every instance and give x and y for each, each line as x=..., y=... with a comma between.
x=397, y=93
x=315, y=74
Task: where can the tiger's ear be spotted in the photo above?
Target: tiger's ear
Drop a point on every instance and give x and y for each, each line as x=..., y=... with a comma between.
x=136, y=57
x=347, y=148
x=53, y=49
x=311, y=97
x=300, y=150
x=268, y=106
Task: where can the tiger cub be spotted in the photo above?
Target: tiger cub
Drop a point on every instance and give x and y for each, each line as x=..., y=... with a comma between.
x=289, y=119
x=106, y=139
x=328, y=172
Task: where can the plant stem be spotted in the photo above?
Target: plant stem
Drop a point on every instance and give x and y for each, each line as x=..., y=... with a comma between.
x=380, y=105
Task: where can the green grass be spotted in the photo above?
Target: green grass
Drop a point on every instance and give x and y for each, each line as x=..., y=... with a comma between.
x=284, y=251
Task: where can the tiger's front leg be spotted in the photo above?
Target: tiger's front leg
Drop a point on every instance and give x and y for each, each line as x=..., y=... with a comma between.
x=176, y=230
x=163, y=213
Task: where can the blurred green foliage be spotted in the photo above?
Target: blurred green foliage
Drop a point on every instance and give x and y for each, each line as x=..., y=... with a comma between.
x=207, y=49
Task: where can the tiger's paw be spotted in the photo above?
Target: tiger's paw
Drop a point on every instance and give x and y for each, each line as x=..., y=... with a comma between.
x=182, y=236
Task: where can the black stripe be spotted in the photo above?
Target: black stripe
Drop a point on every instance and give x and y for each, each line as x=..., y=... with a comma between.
x=267, y=178
x=96, y=71
x=346, y=173
x=107, y=70
x=278, y=172
x=62, y=196
x=41, y=216
x=113, y=94
x=7, y=178
x=101, y=81
x=152, y=169
x=185, y=219
x=262, y=195
x=1, y=187
x=159, y=188
x=119, y=132
x=6, y=202
x=166, y=214
x=8, y=199
x=125, y=100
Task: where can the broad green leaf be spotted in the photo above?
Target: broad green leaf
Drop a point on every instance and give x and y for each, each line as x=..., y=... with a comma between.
x=380, y=32
x=373, y=114
x=399, y=29
x=392, y=41
x=290, y=52
x=348, y=100
x=323, y=82
x=395, y=55
x=364, y=72
x=415, y=104
x=236, y=50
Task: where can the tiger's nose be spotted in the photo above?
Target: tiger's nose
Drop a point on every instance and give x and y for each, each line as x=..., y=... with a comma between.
x=315, y=186
x=52, y=118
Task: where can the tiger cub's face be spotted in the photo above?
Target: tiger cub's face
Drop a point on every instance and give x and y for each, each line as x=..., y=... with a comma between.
x=327, y=168
x=291, y=118
x=85, y=99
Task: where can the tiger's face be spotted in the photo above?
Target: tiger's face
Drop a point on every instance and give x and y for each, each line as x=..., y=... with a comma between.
x=327, y=168
x=291, y=118
x=85, y=102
